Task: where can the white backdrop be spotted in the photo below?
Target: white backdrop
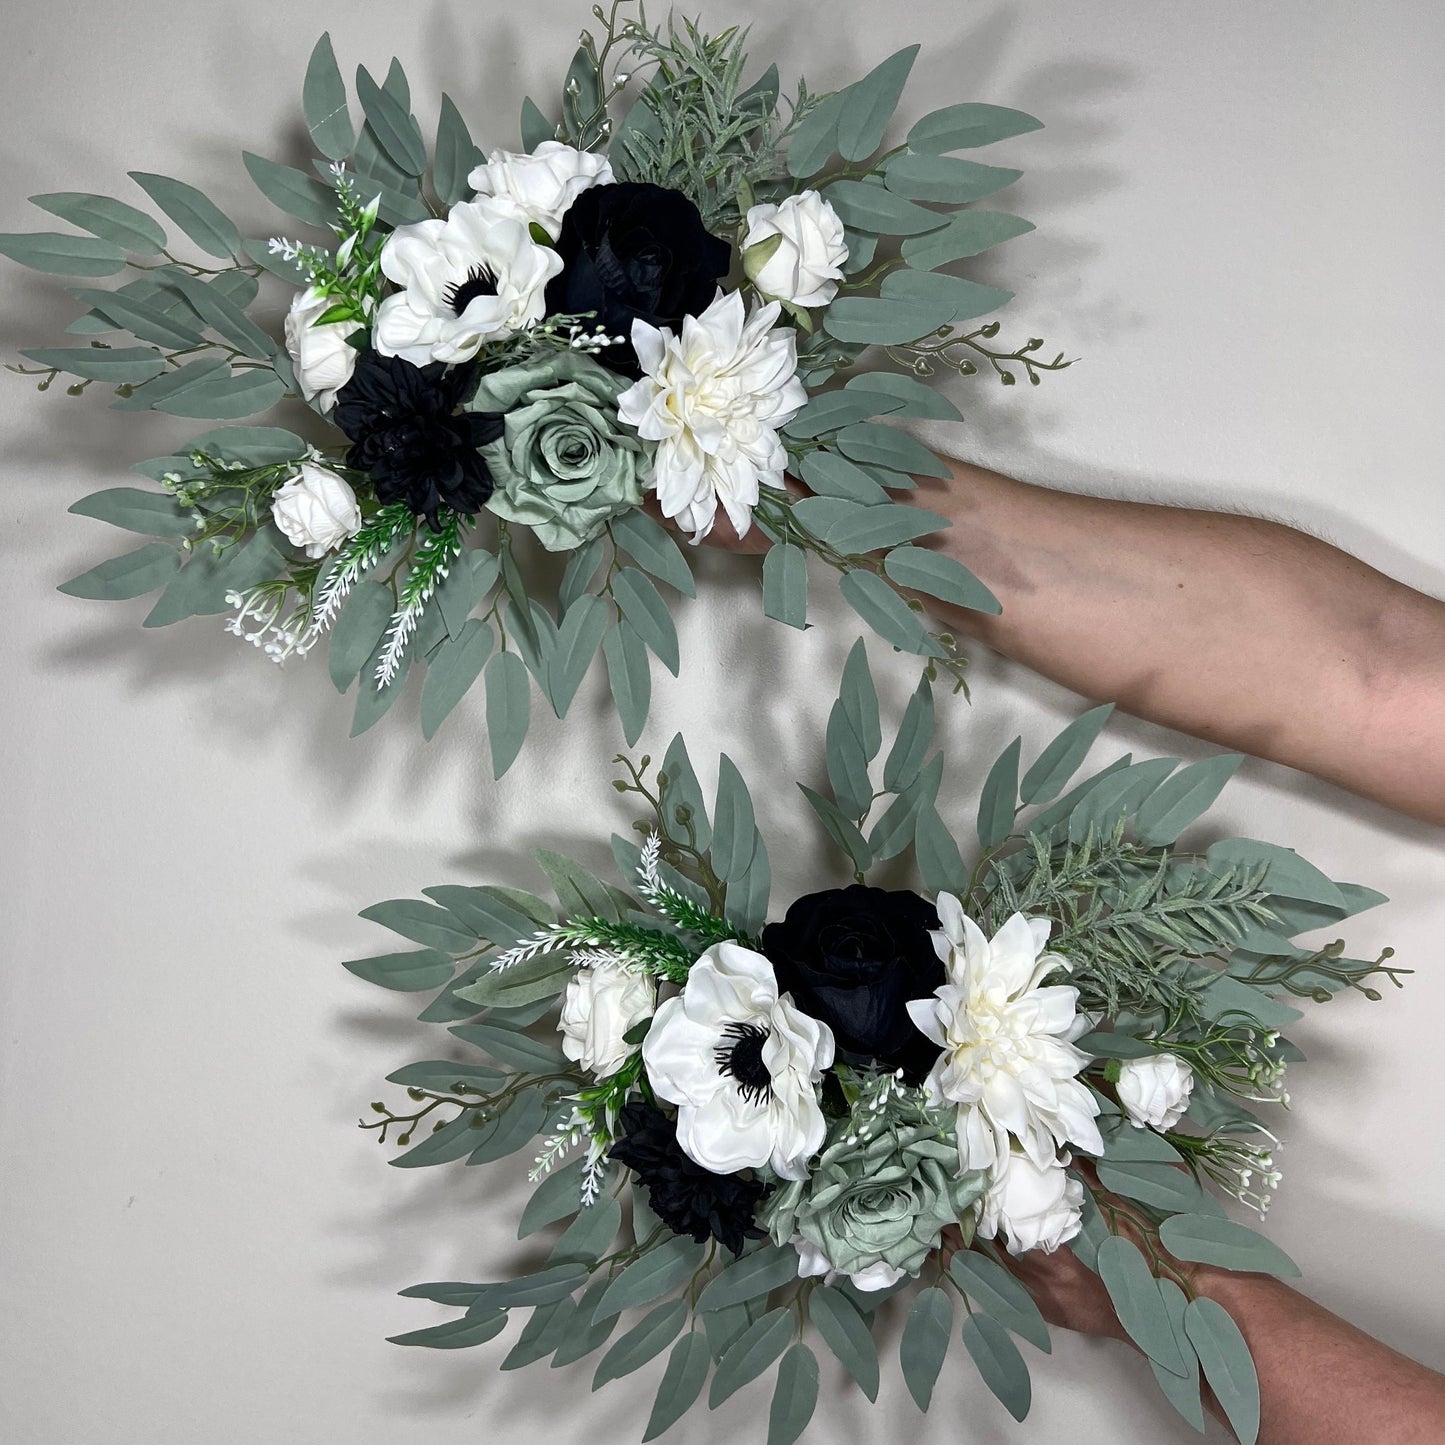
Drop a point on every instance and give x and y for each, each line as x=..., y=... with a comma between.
x=1239, y=213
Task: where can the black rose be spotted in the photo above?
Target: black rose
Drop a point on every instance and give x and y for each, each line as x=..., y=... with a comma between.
x=687, y=1198
x=407, y=434
x=854, y=957
x=632, y=252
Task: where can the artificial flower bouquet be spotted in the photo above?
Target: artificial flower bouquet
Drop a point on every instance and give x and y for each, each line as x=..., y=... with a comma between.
x=756, y=1126
x=659, y=294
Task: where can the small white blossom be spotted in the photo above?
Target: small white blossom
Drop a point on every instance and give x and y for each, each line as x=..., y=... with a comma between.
x=603, y=1001
x=1034, y=1206
x=316, y=509
x=322, y=356
x=1155, y=1090
x=541, y=186
x=797, y=250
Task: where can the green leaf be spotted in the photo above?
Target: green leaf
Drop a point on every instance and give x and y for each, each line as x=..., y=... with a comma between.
x=734, y=826
x=886, y=446
x=445, y=1077
x=1286, y=872
x=831, y=410
x=291, y=190
x=1114, y=799
x=425, y=923
x=455, y=1138
x=968, y=124
x=515, y=1050
x=225, y=394
x=887, y=613
x=203, y=583
x=1205, y=1239
x=871, y=529
x=255, y=446
x=578, y=891
x=144, y=319
x=542, y=977
x=1179, y=800
x=582, y=565
x=945, y=178
x=657, y=1272
x=816, y=138
x=843, y=831
x=682, y=1382
x=785, y=585
x=536, y=129
x=542, y=1334
x=578, y=638
x=456, y=155
x=745, y=902
x=508, y=708
x=152, y=514
x=750, y=1354
x=629, y=674
x=1135, y=1295
x=845, y=1333
x=999, y=1363
x=917, y=400
x=113, y=221
x=868, y=105
x=996, y=802
x=1225, y=1359
x=101, y=363
x=795, y=1396
x=752, y=1277
x=999, y=1293
x=587, y=1238
x=1058, y=762
x=545, y=1287
x=127, y=576
x=859, y=699
x=847, y=762
x=451, y=671
x=556, y=1197
x=878, y=211
x=490, y=912
x=458, y=1334
x=895, y=830
x=395, y=129
x=684, y=792
x=968, y=234
x=404, y=972
x=941, y=576
x=222, y=315
x=910, y=746
x=833, y=476
x=925, y=1343
x=323, y=98
x=1160, y=1185
x=60, y=254
x=949, y=298
x=643, y=607
x=1182, y=1391
x=206, y=225
x=877, y=321
x=940, y=864
x=647, y=1339
x=357, y=630
x=653, y=550
x=506, y=1133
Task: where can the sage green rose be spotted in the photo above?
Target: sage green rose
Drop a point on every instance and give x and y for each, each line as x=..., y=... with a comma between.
x=564, y=463
x=875, y=1208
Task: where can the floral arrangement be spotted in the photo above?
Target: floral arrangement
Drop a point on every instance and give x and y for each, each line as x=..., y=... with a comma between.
x=759, y=1132
x=659, y=295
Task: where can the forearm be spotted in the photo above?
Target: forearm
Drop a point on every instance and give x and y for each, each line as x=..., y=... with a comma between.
x=1321, y=1381
x=1244, y=632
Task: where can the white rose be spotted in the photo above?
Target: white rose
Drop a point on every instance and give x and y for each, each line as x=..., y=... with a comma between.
x=804, y=263
x=316, y=509
x=321, y=355
x=1155, y=1090
x=742, y=1065
x=1036, y=1208
x=602, y=1003
x=541, y=186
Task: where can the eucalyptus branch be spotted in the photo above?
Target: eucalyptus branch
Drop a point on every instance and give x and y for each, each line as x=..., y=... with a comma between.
x=946, y=348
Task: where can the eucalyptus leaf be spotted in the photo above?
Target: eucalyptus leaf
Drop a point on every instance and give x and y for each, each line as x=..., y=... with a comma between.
x=451, y=671
x=291, y=190
x=653, y=550
x=647, y=1339
x=1182, y=1391
x=940, y=576
x=130, y=575
x=443, y=1076
x=542, y=1334
x=151, y=514
x=831, y=475
x=394, y=127
x=1225, y=1359
x=886, y=446
x=111, y=220
x=831, y=410
x=872, y=529
x=967, y=234
x=878, y=211
x=536, y=129
x=531, y=981
x=745, y=900
x=843, y=831
x=999, y=1363
x=999, y=1294
x=144, y=320
x=1135, y=1295
x=945, y=178
x=225, y=394
x=887, y=613
x=752, y=1277
x=925, y=1343
x=1179, y=800
x=917, y=399
x=508, y=708
x=357, y=631
x=750, y=1354
x=656, y=1273
x=996, y=802
x=1161, y=1186
x=442, y=1146
x=199, y=217
x=816, y=137
x=323, y=99
x=556, y=1197
x=846, y=1333
x=404, y=972
x=869, y=103
x=629, y=674
x=785, y=586
x=117, y=365
x=940, y=864
x=847, y=762
x=683, y=794
x=1205, y=1239
x=1052, y=769
x=968, y=124
x=578, y=638
x=458, y=1334
x=682, y=1382
x=795, y=1396
x=579, y=892
x=588, y=1237
x=508, y=1132
x=487, y=913
x=222, y=315
x=61, y=254
x=734, y=825
x=878, y=321
x=949, y=298
x=643, y=607
x=1286, y=872
x=515, y=1050
x=896, y=829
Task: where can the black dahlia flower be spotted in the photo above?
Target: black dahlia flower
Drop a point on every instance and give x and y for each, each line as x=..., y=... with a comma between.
x=407, y=434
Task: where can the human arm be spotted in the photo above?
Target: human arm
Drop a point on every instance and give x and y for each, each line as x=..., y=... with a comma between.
x=1244, y=632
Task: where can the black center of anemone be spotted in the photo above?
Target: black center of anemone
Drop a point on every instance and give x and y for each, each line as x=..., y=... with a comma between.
x=740, y=1056
x=479, y=282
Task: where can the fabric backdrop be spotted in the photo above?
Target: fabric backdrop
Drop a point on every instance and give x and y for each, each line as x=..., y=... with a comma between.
x=1238, y=211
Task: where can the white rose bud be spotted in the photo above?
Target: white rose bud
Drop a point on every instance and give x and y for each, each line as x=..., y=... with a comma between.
x=1036, y=1208
x=797, y=250
x=321, y=355
x=602, y=1003
x=541, y=186
x=1155, y=1090
x=316, y=509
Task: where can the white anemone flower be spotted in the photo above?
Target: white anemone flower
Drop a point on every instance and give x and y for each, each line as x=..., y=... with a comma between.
x=465, y=281
x=1009, y=1063
x=742, y=1064
x=712, y=398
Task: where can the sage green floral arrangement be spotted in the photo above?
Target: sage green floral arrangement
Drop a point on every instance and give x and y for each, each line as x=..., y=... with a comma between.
x=757, y=1139
x=686, y=285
